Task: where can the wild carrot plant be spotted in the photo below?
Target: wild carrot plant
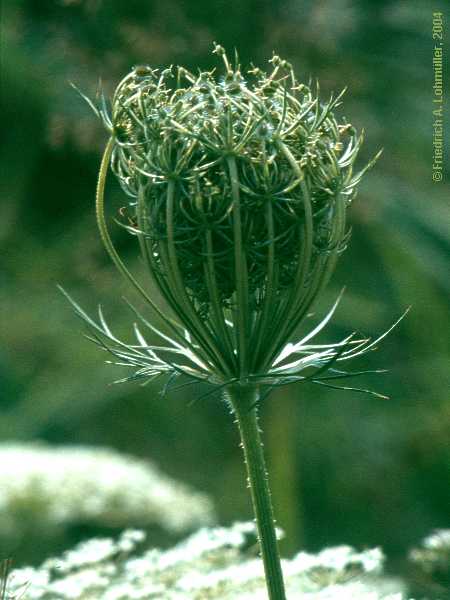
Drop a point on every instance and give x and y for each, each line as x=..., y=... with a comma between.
x=238, y=186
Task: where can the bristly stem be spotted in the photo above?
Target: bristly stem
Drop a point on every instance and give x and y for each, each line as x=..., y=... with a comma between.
x=243, y=399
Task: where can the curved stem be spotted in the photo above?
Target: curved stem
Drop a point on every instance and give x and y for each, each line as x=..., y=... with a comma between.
x=323, y=269
x=218, y=316
x=109, y=246
x=184, y=305
x=240, y=268
x=296, y=295
x=243, y=400
x=269, y=287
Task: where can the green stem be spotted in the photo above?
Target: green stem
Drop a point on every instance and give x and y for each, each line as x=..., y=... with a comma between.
x=243, y=399
x=240, y=268
x=109, y=246
x=184, y=306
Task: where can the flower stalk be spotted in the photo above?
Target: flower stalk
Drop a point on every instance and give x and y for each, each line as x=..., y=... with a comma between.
x=244, y=400
x=239, y=188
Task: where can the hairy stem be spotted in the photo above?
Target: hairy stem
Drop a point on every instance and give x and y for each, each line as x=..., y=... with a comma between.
x=243, y=400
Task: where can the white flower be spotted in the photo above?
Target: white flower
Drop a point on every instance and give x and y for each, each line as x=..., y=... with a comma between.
x=47, y=486
x=433, y=556
x=438, y=540
x=211, y=564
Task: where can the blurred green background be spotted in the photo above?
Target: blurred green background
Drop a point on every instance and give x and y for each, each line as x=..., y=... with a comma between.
x=345, y=468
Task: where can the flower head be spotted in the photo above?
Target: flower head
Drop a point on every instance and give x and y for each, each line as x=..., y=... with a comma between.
x=239, y=184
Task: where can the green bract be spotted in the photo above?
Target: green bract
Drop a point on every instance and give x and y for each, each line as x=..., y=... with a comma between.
x=239, y=187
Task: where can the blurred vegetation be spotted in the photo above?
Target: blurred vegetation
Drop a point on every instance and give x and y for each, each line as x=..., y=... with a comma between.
x=345, y=468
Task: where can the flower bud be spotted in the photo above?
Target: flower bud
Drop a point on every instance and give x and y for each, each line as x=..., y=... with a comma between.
x=239, y=187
